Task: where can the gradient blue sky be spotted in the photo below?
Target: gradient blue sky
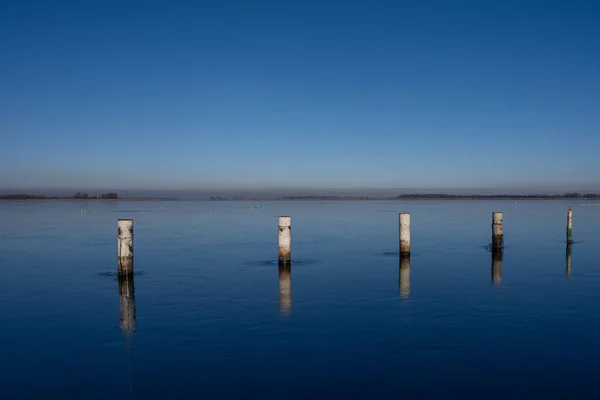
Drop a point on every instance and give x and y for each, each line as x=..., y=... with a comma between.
x=323, y=94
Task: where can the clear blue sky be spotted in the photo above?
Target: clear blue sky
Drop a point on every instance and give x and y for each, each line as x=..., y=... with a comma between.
x=325, y=94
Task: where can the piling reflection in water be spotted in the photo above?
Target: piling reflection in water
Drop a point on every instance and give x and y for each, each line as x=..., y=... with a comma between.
x=497, y=266
x=568, y=260
x=127, y=304
x=285, y=288
x=404, y=276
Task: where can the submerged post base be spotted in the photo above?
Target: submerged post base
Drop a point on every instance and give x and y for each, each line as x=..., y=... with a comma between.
x=497, y=267
x=497, y=243
x=126, y=304
x=569, y=251
x=284, y=257
x=285, y=287
x=125, y=265
x=404, y=276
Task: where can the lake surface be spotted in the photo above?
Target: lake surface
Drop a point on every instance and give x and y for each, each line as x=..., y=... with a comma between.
x=213, y=316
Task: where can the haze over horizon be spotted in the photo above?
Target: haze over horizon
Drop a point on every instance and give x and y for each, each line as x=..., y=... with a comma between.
x=200, y=194
x=229, y=96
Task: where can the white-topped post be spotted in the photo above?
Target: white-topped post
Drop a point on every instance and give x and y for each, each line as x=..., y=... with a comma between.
x=497, y=235
x=404, y=220
x=285, y=239
x=570, y=225
x=125, y=246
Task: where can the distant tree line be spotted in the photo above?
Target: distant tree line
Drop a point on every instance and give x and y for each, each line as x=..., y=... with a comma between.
x=426, y=196
x=582, y=195
x=78, y=196
x=500, y=196
x=103, y=196
x=22, y=197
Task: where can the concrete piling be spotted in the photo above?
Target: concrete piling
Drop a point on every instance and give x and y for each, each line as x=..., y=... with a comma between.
x=127, y=304
x=285, y=288
x=404, y=237
x=125, y=246
x=570, y=225
x=497, y=248
x=285, y=239
x=497, y=235
x=404, y=277
x=569, y=240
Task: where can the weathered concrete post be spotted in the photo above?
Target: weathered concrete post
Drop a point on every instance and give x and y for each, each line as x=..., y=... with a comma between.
x=285, y=239
x=404, y=220
x=497, y=235
x=125, y=246
x=285, y=288
x=497, y=247
x=127, y=304
x=404, y=276
x=497, y=267
x=570, y=225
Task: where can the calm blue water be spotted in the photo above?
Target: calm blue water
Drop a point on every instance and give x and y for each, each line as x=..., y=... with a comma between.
x=211, y=316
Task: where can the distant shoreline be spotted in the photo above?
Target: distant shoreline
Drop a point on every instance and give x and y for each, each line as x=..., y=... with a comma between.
x=419, y=196
x=71, y=199
x=403, y=198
